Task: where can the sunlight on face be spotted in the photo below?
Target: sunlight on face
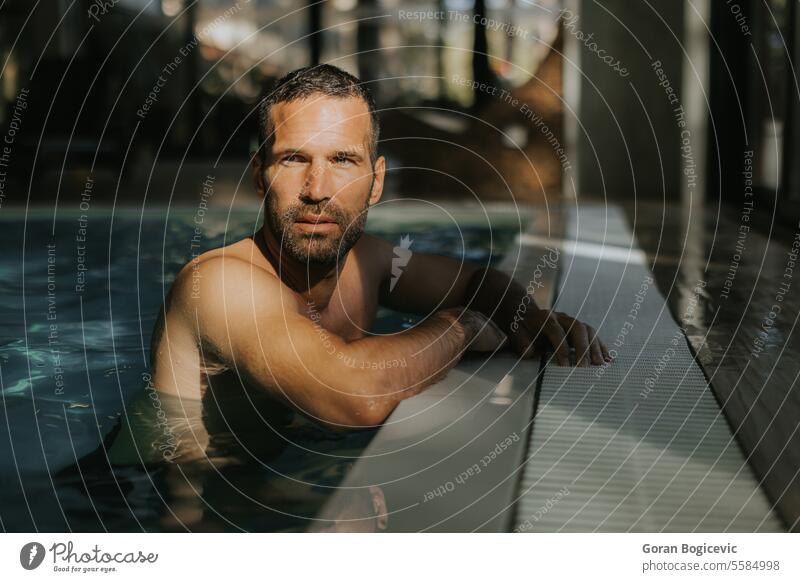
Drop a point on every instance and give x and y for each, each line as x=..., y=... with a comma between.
x=320, y=180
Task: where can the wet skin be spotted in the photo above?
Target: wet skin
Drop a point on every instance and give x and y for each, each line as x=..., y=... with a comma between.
x=285, y=312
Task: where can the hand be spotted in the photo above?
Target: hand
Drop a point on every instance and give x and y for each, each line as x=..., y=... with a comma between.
x=543, y=328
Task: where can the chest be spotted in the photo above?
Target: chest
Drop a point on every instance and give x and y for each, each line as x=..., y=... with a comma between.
x=351, y=310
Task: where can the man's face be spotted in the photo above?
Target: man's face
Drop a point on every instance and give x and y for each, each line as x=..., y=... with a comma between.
x=319, y=177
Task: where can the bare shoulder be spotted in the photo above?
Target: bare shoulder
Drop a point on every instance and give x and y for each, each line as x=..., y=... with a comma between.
x=216, y=299
x=217, y=287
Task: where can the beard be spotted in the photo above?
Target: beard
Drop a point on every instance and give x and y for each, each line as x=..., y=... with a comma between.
x=324, y=249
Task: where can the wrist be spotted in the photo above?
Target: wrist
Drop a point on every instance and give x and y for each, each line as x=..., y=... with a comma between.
x=461, y=322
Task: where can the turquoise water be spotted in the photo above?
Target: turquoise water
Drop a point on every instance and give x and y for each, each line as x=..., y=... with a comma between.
x=77, y=306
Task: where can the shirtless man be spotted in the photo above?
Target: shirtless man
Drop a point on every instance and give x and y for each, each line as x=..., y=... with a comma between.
x=286, y=311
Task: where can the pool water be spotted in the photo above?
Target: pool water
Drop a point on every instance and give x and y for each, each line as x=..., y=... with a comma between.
x=77, y=306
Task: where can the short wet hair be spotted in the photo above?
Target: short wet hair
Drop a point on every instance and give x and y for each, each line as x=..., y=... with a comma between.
x=305, y=82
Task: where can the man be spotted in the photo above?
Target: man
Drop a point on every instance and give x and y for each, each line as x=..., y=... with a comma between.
x=284, y=312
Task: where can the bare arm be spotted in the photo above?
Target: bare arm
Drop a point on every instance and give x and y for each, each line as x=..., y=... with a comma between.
x=259, y=329
x=429, y=282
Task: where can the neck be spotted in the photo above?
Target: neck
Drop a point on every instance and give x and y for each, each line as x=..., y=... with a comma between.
x=312, y=281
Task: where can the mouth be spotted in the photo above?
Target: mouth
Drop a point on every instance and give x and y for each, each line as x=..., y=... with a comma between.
x=316, y=222
x=315, y=219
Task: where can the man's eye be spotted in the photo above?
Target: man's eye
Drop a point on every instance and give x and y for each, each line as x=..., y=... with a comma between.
x=292, y=158
x=342, y=159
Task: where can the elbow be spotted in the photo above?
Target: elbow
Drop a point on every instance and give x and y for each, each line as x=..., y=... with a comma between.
x=358, y=413
x=358, y=407
x=370, y=413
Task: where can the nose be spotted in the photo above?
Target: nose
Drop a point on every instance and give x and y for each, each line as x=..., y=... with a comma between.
x=315, y=187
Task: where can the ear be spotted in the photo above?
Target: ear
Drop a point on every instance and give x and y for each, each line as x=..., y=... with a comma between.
x=257, y=167
x=379, y=173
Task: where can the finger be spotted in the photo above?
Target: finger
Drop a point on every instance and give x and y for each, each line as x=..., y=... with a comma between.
x=606, y=355
x=594, y=347
x=580, y=340
x=555, y=334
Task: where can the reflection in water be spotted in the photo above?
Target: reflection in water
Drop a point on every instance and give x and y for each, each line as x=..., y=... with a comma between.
x=364, y=511
x=239, y=463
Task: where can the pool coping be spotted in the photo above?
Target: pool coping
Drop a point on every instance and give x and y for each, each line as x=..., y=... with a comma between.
x=450, y=458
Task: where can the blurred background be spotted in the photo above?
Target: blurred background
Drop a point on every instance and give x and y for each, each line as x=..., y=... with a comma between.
x=87, y=67
x=90, y=66
x=682, y=112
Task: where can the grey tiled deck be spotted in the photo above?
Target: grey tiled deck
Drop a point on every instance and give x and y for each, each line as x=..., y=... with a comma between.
x=641, y=445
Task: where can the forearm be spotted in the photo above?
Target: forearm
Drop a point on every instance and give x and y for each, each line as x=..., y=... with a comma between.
x=407, y=362
x=358, y=384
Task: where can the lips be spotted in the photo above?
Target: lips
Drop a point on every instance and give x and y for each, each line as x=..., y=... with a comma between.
x=315, y=219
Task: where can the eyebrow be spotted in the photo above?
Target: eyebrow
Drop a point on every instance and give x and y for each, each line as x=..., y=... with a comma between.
x=288, y=151
x=352, y=152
